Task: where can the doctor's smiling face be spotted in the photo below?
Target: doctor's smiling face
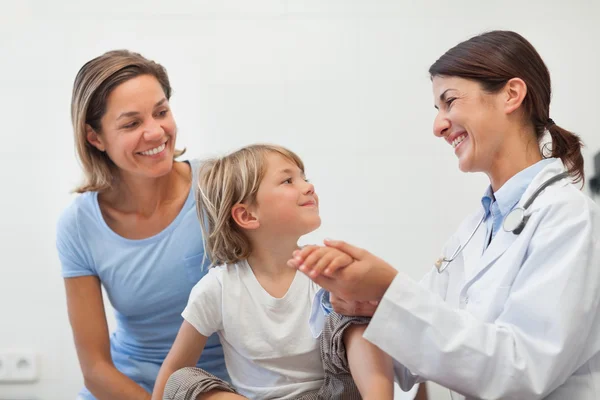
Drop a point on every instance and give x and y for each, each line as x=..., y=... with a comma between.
x=471, y=120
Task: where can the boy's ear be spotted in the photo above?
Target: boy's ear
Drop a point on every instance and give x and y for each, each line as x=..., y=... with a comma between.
x=244, y=217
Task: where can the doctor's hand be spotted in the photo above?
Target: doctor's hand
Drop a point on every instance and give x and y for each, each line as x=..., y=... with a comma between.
x=366, y=278
x=353, y=308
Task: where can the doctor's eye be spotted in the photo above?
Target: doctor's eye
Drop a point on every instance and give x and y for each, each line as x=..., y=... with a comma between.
x=162, y=113
x=130, y=125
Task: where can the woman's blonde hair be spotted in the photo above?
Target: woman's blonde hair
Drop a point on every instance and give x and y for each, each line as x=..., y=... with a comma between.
x=93, y=84
x=223, y=183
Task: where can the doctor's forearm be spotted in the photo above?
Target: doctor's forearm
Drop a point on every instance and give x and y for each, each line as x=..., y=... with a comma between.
x=452, y=347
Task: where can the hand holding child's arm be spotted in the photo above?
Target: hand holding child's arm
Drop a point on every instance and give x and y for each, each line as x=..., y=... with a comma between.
x=185, y=352
x=322, y=260
x=353, y=308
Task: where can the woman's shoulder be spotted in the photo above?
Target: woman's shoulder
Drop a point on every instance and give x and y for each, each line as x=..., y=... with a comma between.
x=71, y=243
x=564, y=209
x=81, y=207
x=194, y=164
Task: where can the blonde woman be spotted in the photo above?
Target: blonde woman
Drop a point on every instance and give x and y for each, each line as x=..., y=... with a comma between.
x=133, y=228
x=255, y=204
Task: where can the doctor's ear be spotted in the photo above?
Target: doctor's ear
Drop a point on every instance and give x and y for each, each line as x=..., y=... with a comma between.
x=93, y=138
x=244, y=217
x=515, y=91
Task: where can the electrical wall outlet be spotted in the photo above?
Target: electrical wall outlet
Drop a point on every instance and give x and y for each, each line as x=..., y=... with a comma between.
x=3, y=367
x=18, y=366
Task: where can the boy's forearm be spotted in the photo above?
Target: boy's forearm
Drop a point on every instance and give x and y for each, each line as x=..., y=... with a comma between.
x=371, y=368
x=161, y=380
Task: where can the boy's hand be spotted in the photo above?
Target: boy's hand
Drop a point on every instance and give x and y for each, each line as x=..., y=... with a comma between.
x=319, y=260
x=365, y=278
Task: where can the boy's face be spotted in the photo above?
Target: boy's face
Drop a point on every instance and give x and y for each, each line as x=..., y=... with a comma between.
x=286, y=203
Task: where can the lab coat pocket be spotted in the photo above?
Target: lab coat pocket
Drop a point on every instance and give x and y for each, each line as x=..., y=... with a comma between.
x=488, y=303
x=196, y=267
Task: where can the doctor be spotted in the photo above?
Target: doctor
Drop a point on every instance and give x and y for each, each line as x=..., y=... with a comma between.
x=511, y=310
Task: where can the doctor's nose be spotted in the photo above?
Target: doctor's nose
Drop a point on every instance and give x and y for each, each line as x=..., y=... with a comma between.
x=441, y=125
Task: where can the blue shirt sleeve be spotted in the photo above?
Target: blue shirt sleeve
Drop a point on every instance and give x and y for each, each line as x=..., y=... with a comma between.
x=321, y=307
x=325, y=302
x=74, y=257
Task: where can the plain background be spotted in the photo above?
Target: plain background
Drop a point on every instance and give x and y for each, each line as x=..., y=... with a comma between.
x=343, y=83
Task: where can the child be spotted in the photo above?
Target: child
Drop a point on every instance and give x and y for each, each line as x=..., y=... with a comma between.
x=254, y=205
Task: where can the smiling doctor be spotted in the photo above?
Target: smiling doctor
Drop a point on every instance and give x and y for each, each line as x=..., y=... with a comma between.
x=511, y=309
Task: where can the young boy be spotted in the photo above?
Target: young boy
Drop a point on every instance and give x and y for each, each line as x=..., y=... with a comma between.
x=254, y=205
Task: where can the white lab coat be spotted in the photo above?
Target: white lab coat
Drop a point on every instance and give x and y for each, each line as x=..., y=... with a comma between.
x=519, y=320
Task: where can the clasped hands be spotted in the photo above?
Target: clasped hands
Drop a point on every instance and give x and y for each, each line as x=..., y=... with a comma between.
x=356, y=279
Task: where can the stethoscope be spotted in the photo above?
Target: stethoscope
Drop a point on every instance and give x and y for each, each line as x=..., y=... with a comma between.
x=514, y=222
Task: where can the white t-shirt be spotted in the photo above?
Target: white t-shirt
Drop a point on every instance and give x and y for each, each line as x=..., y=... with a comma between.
x=269, y=349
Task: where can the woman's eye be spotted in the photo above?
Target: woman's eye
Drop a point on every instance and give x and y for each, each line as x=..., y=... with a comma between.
x=450, y=101
x=130, y=125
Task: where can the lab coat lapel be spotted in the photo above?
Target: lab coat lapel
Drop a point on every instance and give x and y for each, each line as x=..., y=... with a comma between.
x=472, y=251
x=501, y=242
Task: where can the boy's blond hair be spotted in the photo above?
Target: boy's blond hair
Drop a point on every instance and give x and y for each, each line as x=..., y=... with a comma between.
x=223, y=183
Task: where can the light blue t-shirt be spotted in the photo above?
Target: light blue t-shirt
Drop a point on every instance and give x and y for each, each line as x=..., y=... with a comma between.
x=148, y=282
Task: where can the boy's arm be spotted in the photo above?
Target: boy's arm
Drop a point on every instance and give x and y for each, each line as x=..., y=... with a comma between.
x=185, y=352
x=371, y=369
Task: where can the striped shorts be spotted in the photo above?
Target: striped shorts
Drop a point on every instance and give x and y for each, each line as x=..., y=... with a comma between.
x=188, y=383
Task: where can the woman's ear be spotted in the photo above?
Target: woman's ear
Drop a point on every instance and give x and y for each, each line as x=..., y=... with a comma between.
x=244, y=217
x=93, y=138
x=515, y=90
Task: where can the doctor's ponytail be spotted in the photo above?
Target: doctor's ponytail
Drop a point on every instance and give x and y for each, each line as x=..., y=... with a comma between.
x=567, y=146
x=495, y=57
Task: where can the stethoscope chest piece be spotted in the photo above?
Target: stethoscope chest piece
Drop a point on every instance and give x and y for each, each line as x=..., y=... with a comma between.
x=515, y=221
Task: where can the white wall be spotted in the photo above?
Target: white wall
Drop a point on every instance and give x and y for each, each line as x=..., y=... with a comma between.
x=342, y=82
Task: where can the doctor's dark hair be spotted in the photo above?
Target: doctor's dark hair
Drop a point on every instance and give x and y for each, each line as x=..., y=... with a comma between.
x=492, y=59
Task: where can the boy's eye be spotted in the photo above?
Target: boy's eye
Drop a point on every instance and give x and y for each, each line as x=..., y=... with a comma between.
x=288, y=180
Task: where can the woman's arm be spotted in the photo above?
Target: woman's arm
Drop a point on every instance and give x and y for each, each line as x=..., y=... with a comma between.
x=186, y=352
x=90, y=332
